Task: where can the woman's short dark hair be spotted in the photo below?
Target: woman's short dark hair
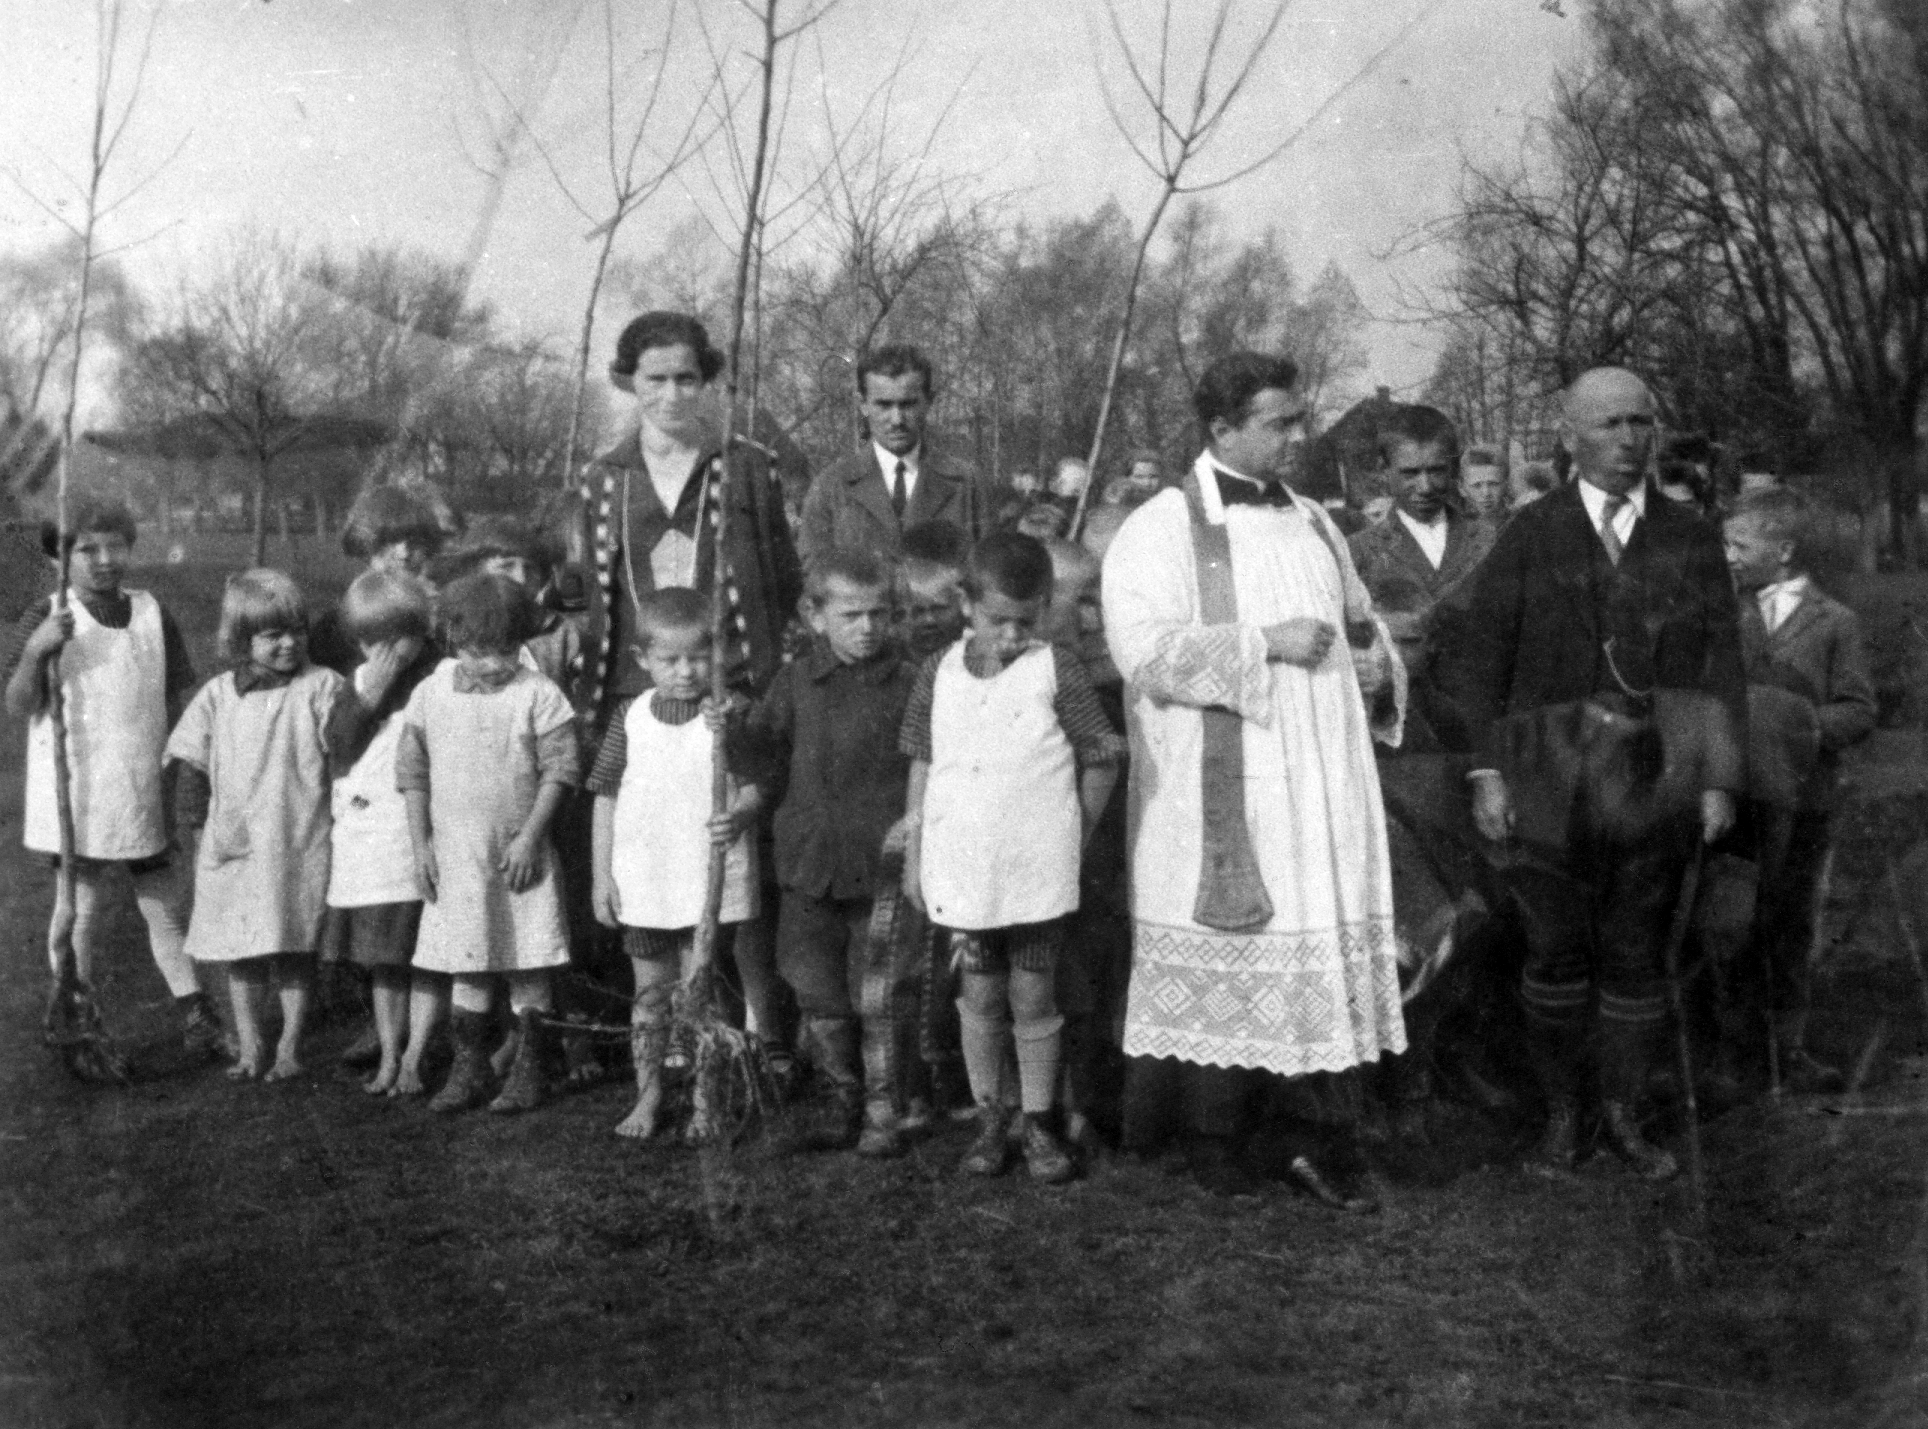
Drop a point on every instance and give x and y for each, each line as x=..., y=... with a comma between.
x=1229, y=385
x=654, y=330
x=484, y=612
x=384, y=515
x=1016, y=566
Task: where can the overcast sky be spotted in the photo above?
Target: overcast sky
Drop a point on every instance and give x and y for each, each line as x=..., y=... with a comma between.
x=346, y=121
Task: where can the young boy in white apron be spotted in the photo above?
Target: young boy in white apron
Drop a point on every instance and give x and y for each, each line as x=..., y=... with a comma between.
x=124, y=675
x=1013, y=762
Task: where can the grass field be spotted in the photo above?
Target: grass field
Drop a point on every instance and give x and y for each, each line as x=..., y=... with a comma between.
x=187, y=1252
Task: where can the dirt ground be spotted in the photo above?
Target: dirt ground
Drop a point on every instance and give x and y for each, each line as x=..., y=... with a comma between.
x=187, y=1252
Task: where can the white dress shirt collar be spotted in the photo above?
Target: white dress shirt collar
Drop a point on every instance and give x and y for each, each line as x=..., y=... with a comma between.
x=1780, y=600
x=887, y=464
x=1596, y=504
x=1431, y=535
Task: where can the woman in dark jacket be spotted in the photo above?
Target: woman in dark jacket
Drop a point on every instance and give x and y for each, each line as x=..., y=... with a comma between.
x=651, y=511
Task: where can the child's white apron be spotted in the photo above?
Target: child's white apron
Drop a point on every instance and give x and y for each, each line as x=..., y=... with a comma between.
x=373, y=857
x=660, y=855
x=115, y=683
x=1002, y=828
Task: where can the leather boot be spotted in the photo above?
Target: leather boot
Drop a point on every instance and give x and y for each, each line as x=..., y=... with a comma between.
x=881, y=1136
x=990, y=1152
x=833, y=1053
x=1801, y=1073
x=523, y=1089
x=1549, y=1049
x=468, y=1081
x=1558, y=1145
x=1623, y=1133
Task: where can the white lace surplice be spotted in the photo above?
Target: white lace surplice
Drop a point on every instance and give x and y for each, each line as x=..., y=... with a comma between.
x=1316, y=989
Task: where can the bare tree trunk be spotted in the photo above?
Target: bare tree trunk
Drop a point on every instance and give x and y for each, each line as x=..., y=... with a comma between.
x=260, y=511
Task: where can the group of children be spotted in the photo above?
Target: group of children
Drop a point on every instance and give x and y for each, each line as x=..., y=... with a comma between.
x=388, y=785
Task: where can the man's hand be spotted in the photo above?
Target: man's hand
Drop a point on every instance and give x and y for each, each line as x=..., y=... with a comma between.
x=1373, y=671
x=913, y=872
x=606, y=903
x=1492, y=807
x=48, y=636
x=1716, y=814
x=1300, y=641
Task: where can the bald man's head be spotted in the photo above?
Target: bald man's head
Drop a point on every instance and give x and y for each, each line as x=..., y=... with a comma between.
x=1609, y=422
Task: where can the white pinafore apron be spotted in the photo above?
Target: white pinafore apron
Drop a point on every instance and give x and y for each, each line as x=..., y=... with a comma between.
x=660, y=853
x=115, y=684
x=373, y=857
x=1002, y=829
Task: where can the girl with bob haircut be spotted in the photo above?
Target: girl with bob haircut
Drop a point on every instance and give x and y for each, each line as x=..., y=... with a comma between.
x=487, y=754
x=374, y=895
x=254, y=777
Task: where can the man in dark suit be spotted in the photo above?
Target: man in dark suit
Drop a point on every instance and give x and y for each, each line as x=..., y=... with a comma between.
x=870, y=498
x=1598, y=679
x=1417, y=562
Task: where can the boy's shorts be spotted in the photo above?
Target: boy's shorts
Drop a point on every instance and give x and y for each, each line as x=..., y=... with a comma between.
x=1023, y=947
x=153, y=863
x=671, y=942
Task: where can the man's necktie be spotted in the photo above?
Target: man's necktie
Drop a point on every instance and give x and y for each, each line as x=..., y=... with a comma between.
x=1609, y=537
x=898, y=496
x=1234, y=492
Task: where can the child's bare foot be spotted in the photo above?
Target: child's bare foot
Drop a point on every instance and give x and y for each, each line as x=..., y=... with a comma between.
x=408, y=1083
x=286, y=1065
x=383, y=1082
x=640, y=1124
x=249, y=1066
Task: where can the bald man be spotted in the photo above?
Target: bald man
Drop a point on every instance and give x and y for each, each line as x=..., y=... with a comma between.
x=1599, y=684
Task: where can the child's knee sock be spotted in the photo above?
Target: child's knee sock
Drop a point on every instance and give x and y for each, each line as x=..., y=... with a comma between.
x=1039, y=1044
x=162, y=897
x=529, y=992
x=983, y=1034
x=472, y=994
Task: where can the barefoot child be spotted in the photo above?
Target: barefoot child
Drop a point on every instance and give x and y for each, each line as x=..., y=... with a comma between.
x=830, y=723
x=654, y=829
x=124, y=674
x=487, y=752
x=374, y=896
x=253, y=753
x=1014, y=761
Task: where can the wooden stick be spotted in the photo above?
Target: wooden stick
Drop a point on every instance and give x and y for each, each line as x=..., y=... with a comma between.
x=1676, y=936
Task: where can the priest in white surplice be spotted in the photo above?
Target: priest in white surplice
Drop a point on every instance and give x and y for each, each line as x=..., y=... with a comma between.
x=1257, y=677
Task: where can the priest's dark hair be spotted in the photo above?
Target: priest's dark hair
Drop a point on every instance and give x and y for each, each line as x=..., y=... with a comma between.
x=897, y=359
x=1229, y=385
x=1016, y=566
x=1419, y=425
x=484, y=612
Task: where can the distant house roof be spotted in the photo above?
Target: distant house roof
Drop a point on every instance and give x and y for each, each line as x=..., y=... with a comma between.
x=1340, y=456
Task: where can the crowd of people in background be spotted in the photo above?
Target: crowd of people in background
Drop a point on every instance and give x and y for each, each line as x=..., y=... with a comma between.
x=1185, y=811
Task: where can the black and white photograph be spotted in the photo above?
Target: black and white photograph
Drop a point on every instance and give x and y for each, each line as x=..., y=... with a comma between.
x=889, y=713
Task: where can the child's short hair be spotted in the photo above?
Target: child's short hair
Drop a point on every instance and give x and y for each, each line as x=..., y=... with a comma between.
x=854, y=566
x=1418, y=425
x=385, y=605
x=258, y=600
x=1781, y=515
x=936, y=543
x=673, y=607
x=511, y=536
x=90, y=514
x=484, y=612
x=1016, y=566
x=384, y=515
